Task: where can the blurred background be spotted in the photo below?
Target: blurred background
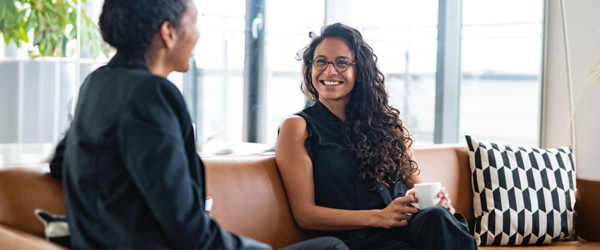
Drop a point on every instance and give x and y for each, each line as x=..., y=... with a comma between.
x=246, y=77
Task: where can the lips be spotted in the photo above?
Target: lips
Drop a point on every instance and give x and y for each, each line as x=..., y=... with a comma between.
x=331, y=82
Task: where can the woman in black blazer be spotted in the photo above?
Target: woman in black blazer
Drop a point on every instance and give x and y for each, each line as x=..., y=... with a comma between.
x=131, y=174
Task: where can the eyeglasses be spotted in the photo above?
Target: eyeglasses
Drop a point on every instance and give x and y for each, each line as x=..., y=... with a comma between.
x=340, y=64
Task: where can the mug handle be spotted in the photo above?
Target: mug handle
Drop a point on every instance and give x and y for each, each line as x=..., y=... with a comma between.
x=411, y=191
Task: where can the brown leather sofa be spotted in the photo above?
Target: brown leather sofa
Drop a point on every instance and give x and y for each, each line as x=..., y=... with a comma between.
x=249, y=199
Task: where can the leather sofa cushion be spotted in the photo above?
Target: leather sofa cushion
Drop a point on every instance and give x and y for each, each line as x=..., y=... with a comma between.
x=449, y=165
x=249, y=199
x=14, y=239
x=249, y=195
x=24, y=190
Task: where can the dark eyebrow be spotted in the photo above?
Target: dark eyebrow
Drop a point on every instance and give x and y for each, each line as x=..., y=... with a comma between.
x=344, y=57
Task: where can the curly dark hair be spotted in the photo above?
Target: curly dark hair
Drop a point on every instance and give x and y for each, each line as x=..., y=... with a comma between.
x=372, y=130
x=130, y=26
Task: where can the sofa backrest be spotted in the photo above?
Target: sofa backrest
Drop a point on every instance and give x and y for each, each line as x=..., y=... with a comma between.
x=249, y=197
x=450, y=166
x=24, y=190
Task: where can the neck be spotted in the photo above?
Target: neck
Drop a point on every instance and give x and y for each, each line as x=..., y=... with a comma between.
x=337, y=107
x=157, y=65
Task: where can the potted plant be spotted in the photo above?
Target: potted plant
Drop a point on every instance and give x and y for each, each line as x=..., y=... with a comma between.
x=54, y=24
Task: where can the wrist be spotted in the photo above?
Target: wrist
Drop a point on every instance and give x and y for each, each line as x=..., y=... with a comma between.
x=374, y=218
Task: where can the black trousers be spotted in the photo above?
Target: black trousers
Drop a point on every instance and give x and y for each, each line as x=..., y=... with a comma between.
x=321, y=243
x=431, y=229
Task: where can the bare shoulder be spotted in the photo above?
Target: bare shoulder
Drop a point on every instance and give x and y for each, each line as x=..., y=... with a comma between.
x=292, y=134
x=293, y=124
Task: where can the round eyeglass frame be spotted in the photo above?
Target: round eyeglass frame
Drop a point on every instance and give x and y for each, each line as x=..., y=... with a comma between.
x=333, y=63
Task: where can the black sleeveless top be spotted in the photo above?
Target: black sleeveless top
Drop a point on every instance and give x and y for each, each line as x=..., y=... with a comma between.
x=335, y=169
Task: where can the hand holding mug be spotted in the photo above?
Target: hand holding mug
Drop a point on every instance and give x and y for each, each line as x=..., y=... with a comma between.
x=397, y=213
x=445, y=201
x=429, y=195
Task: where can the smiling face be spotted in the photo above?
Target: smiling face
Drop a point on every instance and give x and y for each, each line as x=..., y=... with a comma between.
x=188, y=35
x=332, y=85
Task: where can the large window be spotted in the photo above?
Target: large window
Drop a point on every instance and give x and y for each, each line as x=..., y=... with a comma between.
x=287, y=34
x=499, y=84
x=501, y=57
x=403, y=35
x=219, y=57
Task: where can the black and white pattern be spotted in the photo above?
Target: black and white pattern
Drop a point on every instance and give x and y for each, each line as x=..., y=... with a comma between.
x=521, y=195
x=56, y=227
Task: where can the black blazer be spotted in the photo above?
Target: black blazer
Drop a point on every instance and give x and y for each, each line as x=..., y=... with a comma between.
x=129, y=166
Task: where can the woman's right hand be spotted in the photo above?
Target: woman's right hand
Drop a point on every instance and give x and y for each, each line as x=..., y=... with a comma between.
x=397, y=213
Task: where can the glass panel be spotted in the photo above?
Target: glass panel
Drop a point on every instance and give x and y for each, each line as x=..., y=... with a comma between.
x=501, y=56
x=39, y=76
x=403, y=35
x=219, y=56
x=287, y=35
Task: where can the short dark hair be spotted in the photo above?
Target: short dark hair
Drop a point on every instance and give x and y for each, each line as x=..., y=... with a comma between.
x=130, y=25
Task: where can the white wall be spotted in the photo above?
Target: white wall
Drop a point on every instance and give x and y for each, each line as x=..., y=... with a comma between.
x=583, y=38
x=555, y=118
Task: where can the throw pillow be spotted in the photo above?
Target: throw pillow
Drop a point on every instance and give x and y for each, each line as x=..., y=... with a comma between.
x=521, y=195
x=56, y=228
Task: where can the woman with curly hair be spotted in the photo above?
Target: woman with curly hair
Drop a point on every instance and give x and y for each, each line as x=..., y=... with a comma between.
x=340, y=157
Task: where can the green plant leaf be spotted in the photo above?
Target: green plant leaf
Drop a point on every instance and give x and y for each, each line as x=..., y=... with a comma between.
x=40, y=21
x=65, y=40
x=48, y=19
x=37, y=38
x=8, y=9
x=3, y=9
x=53, y=11
x=23, y=35
x=30, y=22
x=6, y=39
x=52, y=24
x=16, y=20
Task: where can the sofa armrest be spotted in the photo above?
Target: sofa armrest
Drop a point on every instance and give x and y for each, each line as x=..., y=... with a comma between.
x=15, y=239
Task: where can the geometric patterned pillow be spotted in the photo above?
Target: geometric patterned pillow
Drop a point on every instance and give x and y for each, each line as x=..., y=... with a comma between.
x=56, y=227
x=521, y=195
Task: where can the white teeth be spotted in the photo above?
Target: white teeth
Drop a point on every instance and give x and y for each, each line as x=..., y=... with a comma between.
x=330, y=83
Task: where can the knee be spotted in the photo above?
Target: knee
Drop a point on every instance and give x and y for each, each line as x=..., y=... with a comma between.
x=436, y=211
x=334, y=243
x=325, y=243
x=433, y=214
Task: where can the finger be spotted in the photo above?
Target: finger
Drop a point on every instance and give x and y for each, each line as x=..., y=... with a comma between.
x=401, y=223
x=403, y=209
x=443, y=201
x=447, y=203
x=443, y=192
x=407, y=209
x=405, y=200
x=399, y=217
x=449, y=206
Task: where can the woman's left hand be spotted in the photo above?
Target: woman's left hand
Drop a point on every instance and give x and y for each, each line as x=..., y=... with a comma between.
x=445, y=201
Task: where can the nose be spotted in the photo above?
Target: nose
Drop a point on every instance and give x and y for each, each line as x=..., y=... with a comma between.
x=330, y=70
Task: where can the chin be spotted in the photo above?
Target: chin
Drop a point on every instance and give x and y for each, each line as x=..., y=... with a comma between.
x=183, y=68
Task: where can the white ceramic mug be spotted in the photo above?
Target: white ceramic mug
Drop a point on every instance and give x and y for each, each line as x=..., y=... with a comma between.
x=426, y=193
